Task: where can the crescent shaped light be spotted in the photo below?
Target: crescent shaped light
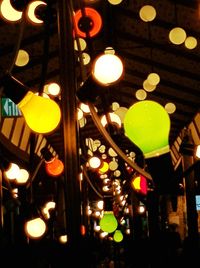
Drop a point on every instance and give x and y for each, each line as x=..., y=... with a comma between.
x=8, y=13
x=31, y=11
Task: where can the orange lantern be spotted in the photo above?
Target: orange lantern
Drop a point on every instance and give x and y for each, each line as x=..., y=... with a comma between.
x=54, y=167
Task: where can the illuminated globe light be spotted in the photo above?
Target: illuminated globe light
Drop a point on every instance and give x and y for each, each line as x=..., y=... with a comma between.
x=90, y=23
x=31, y=12
x=170, y=107
x=23, y=176
x=153, y=79
x=41, y=114
x=52, y=89
x=54, y=167
x=8, y=13
x=141, y=94
x=97, y=143
x=147, y=124
x=112, y=152
x=102, y=149
x=115, y=106
x=104, y=168
x=113, y=165
x=177, y=35
x=63, y=239
x=86, y=58
x=117, y=173
x=80, y=44
x=118, y=236
x=35, y=228
x=190, y=42
x=12, y=172
x=139, y=184
x=108, y=222
x=107, y=69
x=147, y=13
x=94, y=162
x=121, y=111
x=85, y=108
x=114, y=118
x=22, y=58
x=148, y=87
x=115, y=2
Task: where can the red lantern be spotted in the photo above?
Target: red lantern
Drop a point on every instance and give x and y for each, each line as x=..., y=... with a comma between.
x=90, y=23
x=54, y=167
x=139, y=184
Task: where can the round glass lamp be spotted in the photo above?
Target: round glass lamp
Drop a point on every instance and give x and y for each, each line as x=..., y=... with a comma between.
x=107, y=69
x=54, y=167
x=177, y=35
x=8, y=12
x=190, y=42
x=147, y=124
x=90, y=23
x=35, y=228
x=147, y=13
x=22, y=58
x=108, y=223
x=141, y=94
x=31, y=11
x=153, y=79
x=118, y=236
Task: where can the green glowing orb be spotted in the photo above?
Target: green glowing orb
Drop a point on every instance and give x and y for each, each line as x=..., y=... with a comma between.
x=108, y=223
x=147, y=124
x=118, y=236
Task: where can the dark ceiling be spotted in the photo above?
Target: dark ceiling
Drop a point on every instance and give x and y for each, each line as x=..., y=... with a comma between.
x=143, y=46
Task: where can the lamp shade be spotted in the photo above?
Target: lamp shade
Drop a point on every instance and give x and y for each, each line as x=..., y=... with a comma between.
x=147, y=125
x=108, y=223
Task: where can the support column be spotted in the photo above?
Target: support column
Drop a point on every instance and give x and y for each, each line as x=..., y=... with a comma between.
x=69, y=123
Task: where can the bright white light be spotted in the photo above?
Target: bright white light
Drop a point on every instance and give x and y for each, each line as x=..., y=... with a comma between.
x=108, y=69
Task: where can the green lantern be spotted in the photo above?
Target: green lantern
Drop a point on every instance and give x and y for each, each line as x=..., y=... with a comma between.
x=108, y=222
x=118, y=236
x=147, y=124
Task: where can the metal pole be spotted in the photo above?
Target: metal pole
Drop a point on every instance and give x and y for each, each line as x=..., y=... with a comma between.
x=70, y=133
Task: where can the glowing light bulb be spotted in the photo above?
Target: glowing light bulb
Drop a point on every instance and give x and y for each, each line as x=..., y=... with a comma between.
x=35, y=228
x=147, y=124
x=108, y=223
x=108, y=69
x=139, y=184
x=41, y=114
x=118, y=236
x=54, y=167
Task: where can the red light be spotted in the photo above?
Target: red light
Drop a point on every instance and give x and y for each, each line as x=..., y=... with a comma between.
x=139, y=184
x=90, y=23
x=54, y=167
